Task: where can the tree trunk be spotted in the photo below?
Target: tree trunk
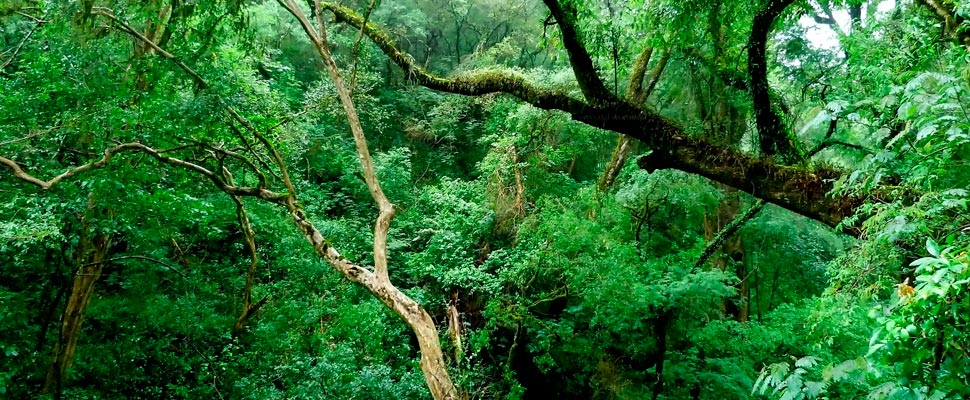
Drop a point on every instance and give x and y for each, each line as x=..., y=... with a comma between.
x=90, y=260
x=624, y=146
x=660, y=333
x=249, y=307
x=772, y=132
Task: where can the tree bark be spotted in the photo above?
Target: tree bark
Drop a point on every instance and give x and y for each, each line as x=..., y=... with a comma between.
x=377, y=282
x=432, y=360
x=93, y=248
x=729, y=230
x=249, y=236
x=772, y=132
x=624, y=146
x=951, y=21
x=635, y=94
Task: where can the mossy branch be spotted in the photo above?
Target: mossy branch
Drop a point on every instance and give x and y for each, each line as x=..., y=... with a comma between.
x=472, y=84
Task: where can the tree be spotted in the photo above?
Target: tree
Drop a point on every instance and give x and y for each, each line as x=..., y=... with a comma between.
x=800, y=189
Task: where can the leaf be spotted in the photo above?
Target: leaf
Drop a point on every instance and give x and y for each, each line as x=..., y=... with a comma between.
x=907, y=111
x=888, y=101
x=761, y=385
x=806, y=362
x=880, y=134
x=956, y=192
x=837, y=106
x=925, y=132
x=932, y=248
x=813, y=389
x=954, y=203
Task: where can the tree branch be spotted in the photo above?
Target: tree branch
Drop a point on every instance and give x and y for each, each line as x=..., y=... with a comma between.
x=16, y=52
x=635, y=87
x=145, y=258
x=319, y=38
x=951, y=21
x=727, y=232
x=655, y=74
x=589, y=82
x=202, y=84
x=378, y=283
x=474, y=84
x=249, y=236
x=31, y=136
x=159, y=155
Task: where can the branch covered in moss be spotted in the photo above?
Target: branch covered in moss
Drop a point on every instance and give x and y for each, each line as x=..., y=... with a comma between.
x=727, y=232
x=473, y=84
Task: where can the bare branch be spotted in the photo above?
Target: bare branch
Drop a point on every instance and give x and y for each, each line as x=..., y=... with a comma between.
x=31, y=136
x=109, y=153
x=249, y=235
x=201, y=83
x=378, y=283
x=144, y=258
x=319, y=38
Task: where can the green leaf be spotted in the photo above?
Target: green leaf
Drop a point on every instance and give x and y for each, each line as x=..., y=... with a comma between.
x=932, y=248
x=806, y=362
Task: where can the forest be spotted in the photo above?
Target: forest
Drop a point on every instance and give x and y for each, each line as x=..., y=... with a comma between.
x=485, y=199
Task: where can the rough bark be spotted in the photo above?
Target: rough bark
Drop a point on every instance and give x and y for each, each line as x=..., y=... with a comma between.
x=454, y=326
x=799, y=189
x=772, y=132
x=639, y=73
x=624, y=146
x=641, y=97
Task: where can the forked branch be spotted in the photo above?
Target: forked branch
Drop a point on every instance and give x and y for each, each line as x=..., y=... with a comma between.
x=432, y=359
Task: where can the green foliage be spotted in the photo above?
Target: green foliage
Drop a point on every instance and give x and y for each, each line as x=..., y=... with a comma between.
x=555, y=288
x=916, y=351
x=919, y=334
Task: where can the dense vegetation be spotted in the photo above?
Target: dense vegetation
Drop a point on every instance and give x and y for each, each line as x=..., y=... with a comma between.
x=479, y=199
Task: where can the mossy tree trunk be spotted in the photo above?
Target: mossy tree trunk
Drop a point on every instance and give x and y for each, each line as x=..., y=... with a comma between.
x=91, y=253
